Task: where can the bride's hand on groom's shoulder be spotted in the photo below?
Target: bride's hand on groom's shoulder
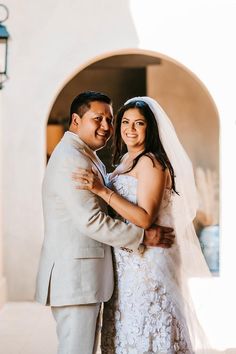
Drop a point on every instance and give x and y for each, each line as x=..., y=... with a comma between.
x=159, y=236
x=87, y=180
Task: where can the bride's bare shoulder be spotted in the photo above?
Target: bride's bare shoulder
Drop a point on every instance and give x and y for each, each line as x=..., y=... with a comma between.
x=148, y=161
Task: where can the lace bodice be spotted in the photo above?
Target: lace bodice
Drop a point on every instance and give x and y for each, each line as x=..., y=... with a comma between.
x=126, y=185
x=143, y=315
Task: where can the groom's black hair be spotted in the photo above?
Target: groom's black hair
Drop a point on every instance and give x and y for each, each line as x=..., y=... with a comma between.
x=81, y=103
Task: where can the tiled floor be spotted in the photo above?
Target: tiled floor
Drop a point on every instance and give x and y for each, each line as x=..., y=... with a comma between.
x=27, y=328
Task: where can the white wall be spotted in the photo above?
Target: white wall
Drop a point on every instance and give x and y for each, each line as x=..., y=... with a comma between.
x=50, y=42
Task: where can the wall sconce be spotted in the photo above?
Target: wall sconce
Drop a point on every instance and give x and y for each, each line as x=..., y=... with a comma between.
x=4, y=35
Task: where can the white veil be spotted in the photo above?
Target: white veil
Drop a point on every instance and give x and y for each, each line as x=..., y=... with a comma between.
x=191, y=262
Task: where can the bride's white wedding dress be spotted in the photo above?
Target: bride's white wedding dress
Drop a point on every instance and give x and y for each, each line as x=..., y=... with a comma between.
x=145, y=314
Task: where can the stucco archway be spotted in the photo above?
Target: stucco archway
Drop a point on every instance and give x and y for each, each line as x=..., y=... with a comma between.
x=184, y=97
x=176, y=88
x=156, y=66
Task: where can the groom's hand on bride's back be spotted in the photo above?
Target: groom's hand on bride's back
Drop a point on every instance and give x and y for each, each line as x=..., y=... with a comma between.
x=159, y=236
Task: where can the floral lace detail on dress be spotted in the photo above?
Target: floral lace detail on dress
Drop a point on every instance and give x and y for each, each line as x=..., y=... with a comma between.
x=142, y=317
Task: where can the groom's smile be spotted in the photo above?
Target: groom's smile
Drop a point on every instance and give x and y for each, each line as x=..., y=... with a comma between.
x=95, y=127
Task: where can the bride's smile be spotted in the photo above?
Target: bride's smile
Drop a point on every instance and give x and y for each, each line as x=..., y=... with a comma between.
x=133, y=129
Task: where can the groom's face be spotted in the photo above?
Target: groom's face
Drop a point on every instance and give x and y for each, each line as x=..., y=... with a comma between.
x=95, y=127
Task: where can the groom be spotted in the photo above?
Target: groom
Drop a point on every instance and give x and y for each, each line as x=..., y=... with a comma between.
x=75, y=273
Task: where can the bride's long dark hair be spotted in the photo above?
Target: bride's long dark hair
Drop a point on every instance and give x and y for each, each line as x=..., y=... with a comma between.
x=153, y=144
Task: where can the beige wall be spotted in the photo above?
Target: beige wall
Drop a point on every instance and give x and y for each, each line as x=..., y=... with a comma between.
x=195, y=118
x=50, y=42
x=191, y=110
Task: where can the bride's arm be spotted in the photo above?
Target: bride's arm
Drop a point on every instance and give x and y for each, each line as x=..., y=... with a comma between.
x=151, y=184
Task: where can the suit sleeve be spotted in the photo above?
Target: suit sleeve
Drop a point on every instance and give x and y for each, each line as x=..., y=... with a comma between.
x=84, y=208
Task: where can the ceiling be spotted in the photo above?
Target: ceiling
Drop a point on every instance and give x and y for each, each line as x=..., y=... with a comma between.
x=126, y=61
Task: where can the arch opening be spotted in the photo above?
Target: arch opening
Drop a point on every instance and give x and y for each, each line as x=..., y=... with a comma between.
x=186, y=101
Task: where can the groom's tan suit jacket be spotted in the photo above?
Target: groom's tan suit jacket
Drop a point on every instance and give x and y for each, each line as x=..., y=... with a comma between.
x=76, y=263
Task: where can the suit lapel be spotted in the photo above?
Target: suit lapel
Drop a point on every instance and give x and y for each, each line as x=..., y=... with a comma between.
x=80, y=145
x=96, y=161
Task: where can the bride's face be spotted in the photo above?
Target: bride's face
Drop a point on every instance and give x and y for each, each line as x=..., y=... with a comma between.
x=133, y=129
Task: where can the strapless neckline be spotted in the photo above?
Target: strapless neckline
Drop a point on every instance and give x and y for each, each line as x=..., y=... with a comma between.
x=123, y=176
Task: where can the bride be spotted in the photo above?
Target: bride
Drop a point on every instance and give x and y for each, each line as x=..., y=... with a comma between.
x=151, y=309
